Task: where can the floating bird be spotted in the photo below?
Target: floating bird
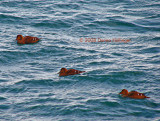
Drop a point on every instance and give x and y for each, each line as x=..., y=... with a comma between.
x=65, y=72
x=132, y=94
x=26, y=40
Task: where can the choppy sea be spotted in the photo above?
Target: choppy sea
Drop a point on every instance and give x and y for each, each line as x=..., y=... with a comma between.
x=117, y=43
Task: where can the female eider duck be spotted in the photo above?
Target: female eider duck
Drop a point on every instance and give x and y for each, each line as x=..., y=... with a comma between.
x=65, y=72
x=132, y=94
x=26, y=40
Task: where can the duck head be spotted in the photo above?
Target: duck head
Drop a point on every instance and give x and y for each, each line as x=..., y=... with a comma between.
x=20, y=39
x=124, y=92
x=63, y=72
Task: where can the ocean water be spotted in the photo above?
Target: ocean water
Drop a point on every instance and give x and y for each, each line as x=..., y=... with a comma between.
x=117, y=43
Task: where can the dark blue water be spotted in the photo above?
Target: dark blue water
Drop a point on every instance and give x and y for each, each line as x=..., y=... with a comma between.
x=128, y=57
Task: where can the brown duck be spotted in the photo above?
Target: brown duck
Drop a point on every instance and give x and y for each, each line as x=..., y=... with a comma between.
x=26, y=40
x=65, y=72
x=132, y=94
